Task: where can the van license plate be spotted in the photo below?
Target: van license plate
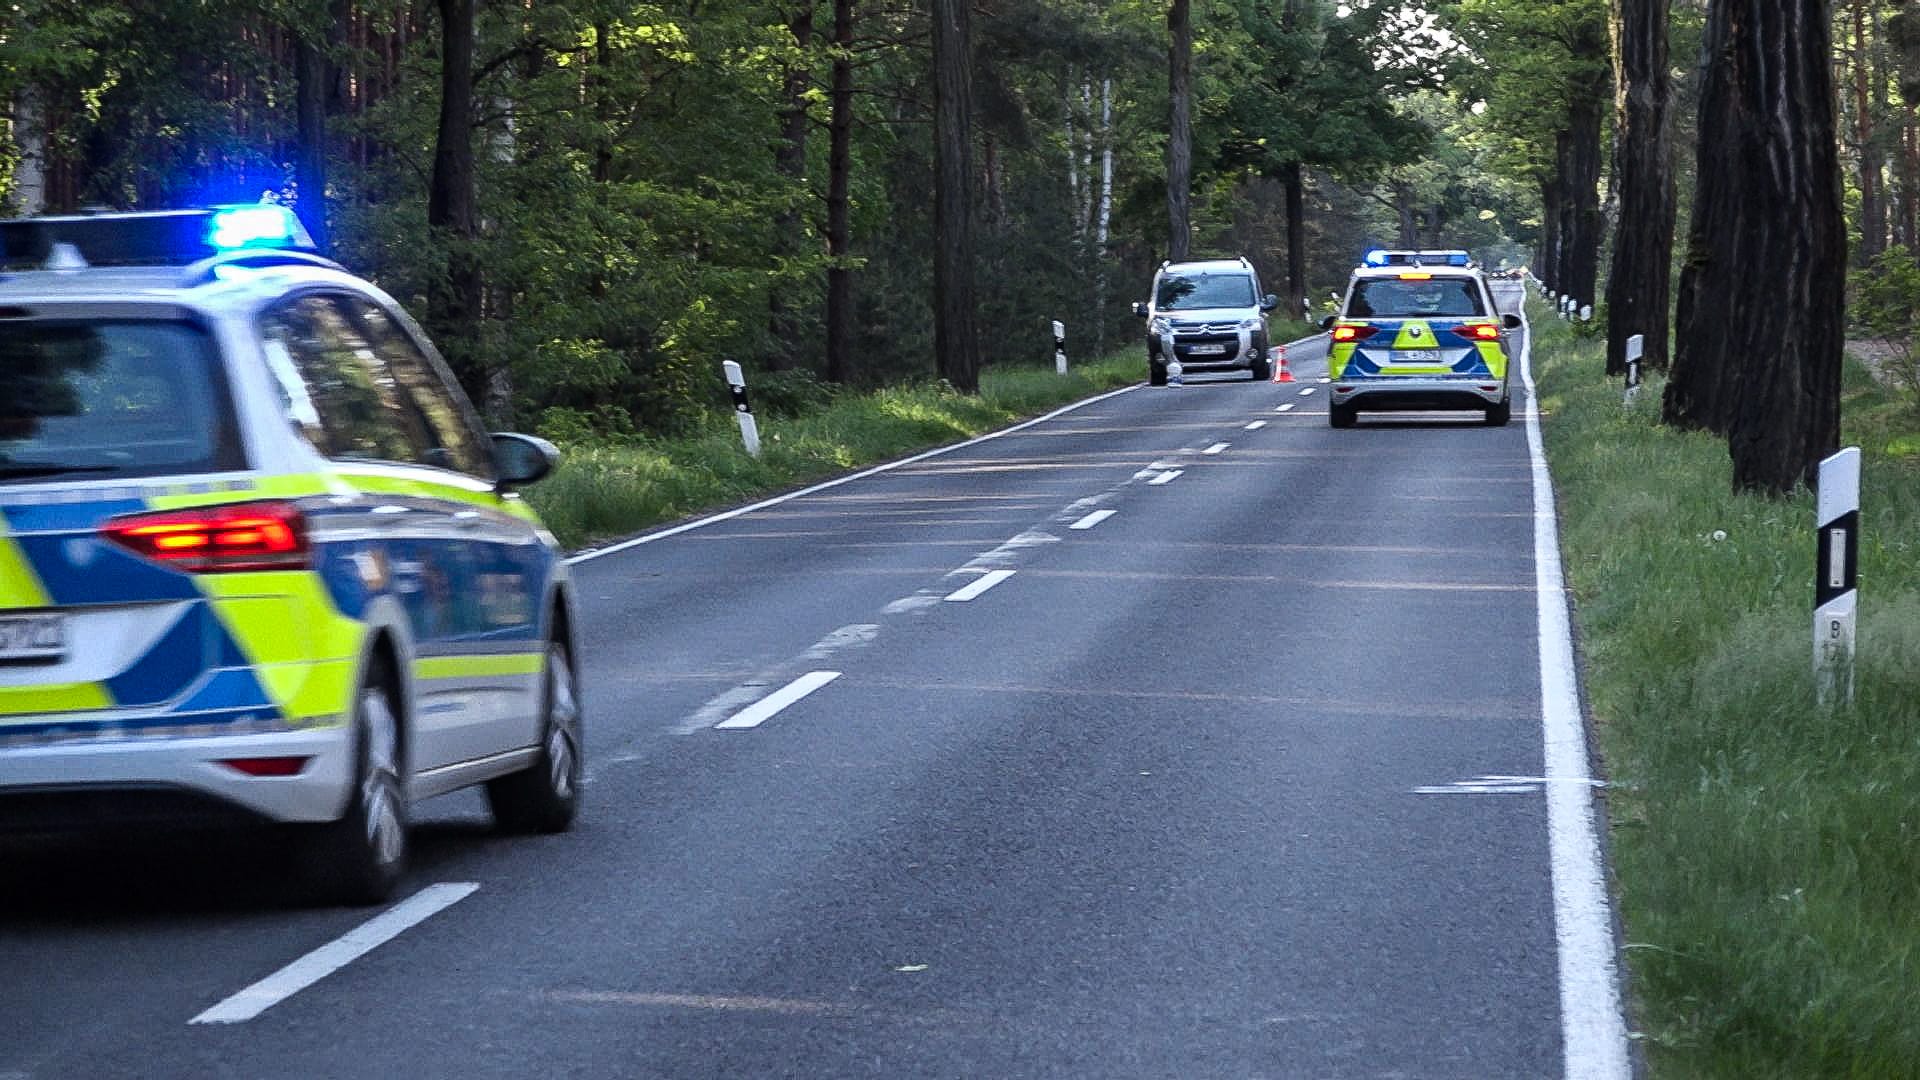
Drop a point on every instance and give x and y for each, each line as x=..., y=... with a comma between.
x=33, y=637
x=1208, y=350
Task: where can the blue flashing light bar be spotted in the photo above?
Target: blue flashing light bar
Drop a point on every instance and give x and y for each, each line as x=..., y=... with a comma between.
x=264, y=225
x=1383, y=257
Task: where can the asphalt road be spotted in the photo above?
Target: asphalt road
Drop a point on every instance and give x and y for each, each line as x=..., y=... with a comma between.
x=1198, y=789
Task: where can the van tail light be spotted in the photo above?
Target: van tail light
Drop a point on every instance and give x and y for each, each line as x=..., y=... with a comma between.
x=217, y=539
x=1354, y=332
x=1478, y=332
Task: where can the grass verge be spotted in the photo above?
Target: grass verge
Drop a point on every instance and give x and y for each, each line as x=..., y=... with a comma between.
x=615, y=490
x=1767, y=849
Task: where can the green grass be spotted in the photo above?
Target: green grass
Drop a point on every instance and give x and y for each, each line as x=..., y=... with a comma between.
x=1767, y=849
x=608, y=491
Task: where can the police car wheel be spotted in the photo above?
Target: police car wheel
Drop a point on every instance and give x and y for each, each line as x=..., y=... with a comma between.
x=544, y=797
x=1342, y=416
x=1498, y=415
x=363, y=854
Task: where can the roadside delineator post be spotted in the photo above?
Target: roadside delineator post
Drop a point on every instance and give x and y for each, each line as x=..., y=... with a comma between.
x=1836, y=575
x=1636, y=347
x=749, y=427
x=1281, y=373
x=1059, y=347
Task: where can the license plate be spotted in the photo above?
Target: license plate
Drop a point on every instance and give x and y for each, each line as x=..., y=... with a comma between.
x=1208, y=350
x=1412, y=356
x=33, y=637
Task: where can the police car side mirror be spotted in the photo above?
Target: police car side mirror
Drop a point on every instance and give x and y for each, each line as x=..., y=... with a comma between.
x=1269, y=302
x=1140, y=309
x=521, y=459
x=1327, y=323
x=1511, y=322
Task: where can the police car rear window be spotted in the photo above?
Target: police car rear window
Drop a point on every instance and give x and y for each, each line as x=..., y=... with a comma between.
x=1436, y=297
x=99, y=399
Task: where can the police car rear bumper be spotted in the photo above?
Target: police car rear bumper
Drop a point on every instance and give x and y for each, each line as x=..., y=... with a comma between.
x=165, y=782
x=1395, y=392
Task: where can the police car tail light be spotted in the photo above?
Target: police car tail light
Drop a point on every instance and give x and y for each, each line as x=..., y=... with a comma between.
x=217, y=539
x=1351, y=332
x=1479, y=332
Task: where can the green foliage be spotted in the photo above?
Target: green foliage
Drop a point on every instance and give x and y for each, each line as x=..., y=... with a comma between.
x=1765, y=847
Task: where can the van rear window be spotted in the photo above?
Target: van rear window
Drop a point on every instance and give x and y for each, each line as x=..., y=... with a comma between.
x=105, y=398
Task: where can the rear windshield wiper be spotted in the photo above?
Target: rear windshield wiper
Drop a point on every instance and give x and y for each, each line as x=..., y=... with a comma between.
x=25, y=471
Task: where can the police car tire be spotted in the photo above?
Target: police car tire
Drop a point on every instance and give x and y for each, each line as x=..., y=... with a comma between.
x=1342, y=416
x=1156, y=374
x=360, y=858
x=1498, y=415
x=544, y=797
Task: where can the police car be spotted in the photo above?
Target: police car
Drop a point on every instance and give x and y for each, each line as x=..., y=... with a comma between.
x=1418, y=330
x=259, y=562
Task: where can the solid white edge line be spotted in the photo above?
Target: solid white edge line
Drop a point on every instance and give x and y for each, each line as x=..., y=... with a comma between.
x=767, y=707
x=338, y=953
x=713, y=519
x=1216, y=448
x=979, y=585
x=1093, y=519
x=1592, y=1023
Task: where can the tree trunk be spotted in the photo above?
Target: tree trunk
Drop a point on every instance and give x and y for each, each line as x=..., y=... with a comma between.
x=1293, y=179
x=1180, y=129
x=1103, y=223
x=1581, y=222
x=1758, y=353
x=839, y=199
x=30, y=151
x=316, y=94
x=1549, y=254
x=454, y=306
x=1872, y=217
x=790, y=161
x=956, y=339
x=1638, y=286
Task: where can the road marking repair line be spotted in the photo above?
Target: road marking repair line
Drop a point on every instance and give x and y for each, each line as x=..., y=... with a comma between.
x=985, y=581
x=700, y=523
x=1305, y=390
x=1216, y=448
x=337, y=953
x=767, y=707
x=1165, y=478
x=1593, y=1026
x=1093, y=519
x=1288, y=407
x=1255, y=426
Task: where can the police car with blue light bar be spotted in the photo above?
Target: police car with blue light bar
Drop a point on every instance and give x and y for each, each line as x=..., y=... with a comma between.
x=259, y=562
x=1418, y=330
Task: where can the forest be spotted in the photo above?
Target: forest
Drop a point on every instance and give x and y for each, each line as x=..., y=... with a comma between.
x=594, y=202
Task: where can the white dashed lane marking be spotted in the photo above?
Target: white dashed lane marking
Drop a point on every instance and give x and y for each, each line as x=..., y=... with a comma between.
x=1165, y=477
x=1305, y=390
x=767, y=707
x=1216, y=448
x=1092, y=519
x=338, y=953
x=984, y=582
x=1288, y=407
x=1256, y=425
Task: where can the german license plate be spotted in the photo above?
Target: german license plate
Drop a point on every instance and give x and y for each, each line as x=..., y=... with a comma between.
x=1208, y=350
x=1412, y=356
x=33, y=637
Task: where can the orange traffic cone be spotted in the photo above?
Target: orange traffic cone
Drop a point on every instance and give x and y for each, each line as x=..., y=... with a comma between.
x=1280, y=372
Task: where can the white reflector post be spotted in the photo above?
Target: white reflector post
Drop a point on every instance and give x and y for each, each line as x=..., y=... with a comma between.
x=737, y=386
x=1059, y=347
x=1836, y=575
x=1636, y=348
